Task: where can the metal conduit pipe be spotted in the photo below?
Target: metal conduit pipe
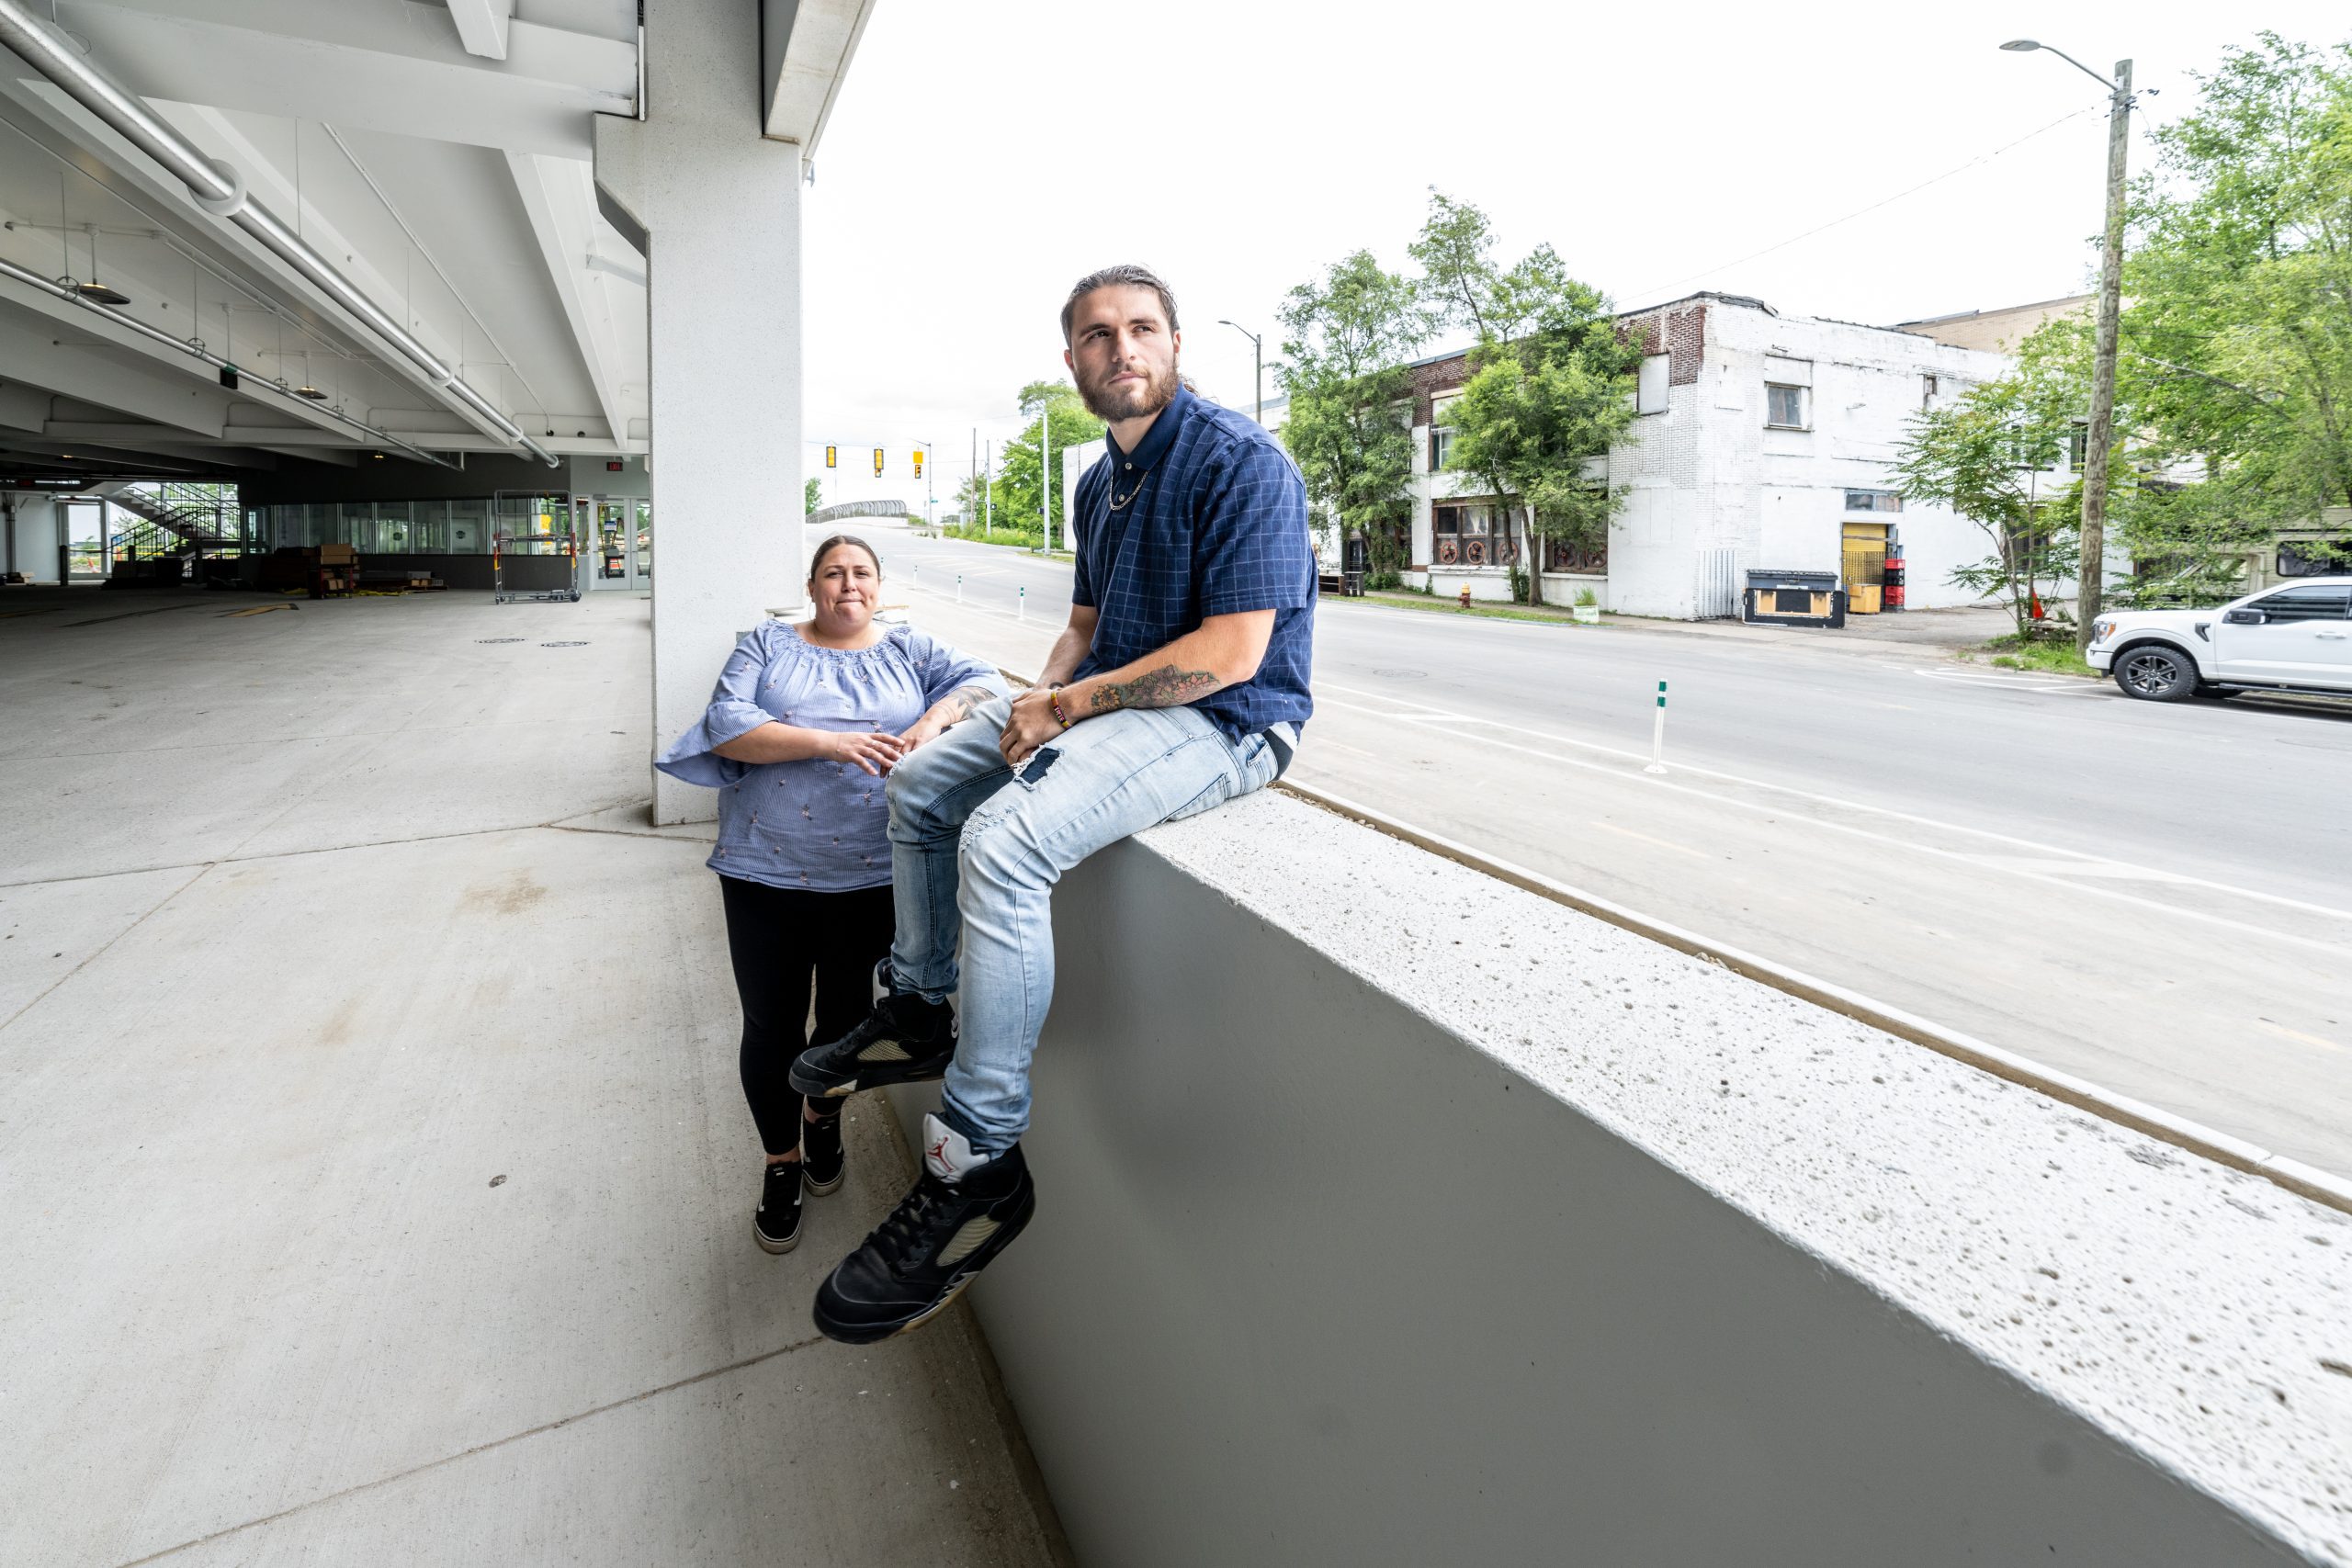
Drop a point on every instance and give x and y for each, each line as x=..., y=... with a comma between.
x=32, y=279
x=221, y=192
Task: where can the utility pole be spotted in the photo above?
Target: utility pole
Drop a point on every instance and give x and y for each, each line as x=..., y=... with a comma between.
x=2091, y=575
x=1256, y=362
x=987, y=487
x=1045, y=472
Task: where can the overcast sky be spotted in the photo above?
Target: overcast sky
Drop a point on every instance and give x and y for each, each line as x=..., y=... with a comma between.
x=982, y=157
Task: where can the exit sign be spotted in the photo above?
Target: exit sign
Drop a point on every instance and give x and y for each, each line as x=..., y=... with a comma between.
x=615, y=468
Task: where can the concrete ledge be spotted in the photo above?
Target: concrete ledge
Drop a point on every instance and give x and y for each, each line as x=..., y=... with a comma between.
x=1389, y=1212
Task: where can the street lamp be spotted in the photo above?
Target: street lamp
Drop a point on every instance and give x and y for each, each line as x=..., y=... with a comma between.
x=2092, y=574
x=926, y=482
x=1258, y=361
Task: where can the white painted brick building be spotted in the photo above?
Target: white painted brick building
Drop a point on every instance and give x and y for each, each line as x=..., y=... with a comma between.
x=1765, y=441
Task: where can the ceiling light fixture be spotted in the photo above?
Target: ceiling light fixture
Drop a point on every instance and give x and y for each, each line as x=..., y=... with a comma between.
x=94, y=291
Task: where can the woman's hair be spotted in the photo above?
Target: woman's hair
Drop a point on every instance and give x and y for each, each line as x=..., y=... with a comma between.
x=817, y=561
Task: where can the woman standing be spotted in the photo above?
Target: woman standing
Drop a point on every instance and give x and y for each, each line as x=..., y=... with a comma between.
x=806, y=720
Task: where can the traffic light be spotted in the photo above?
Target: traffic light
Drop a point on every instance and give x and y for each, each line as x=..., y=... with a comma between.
x=918, y=462
x=831, y=455
x=878, y=462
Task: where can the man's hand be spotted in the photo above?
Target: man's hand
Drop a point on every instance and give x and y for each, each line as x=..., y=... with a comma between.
x=1031, y=725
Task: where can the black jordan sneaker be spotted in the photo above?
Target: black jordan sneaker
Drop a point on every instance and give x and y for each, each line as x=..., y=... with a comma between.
x=904, y=1039
x=822, y=1160
x=775, y=1224
x=963, y=1211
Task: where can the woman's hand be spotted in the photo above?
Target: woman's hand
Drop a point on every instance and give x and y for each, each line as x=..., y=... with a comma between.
x=929, y=727
x=875, y=751
x=945, y=714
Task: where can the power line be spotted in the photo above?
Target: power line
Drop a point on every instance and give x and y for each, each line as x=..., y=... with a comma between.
x=1860, y=212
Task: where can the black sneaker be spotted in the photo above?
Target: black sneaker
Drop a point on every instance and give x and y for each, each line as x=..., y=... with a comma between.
x=775, y=1224
x=941, y=1234
x=904, y=1039
x=821, y=1161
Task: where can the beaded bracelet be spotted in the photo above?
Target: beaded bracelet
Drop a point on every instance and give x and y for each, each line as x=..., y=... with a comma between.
x=1054, y=699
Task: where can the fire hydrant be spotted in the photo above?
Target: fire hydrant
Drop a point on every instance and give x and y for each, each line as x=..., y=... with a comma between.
x=1465, y=596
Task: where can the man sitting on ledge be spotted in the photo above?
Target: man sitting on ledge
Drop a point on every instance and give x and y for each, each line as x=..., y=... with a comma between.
x=1180, y=683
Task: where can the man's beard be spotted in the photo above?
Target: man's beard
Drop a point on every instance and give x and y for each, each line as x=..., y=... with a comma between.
x=1139, y=402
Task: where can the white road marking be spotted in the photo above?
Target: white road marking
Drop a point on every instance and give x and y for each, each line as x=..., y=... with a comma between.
x=2116, y=870
x=1985, y=677
x=2049, y=850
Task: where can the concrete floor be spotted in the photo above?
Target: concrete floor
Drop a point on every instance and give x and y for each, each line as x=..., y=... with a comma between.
x=379, y=1183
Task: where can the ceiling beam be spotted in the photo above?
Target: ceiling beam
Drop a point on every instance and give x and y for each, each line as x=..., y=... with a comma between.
x=559, y=197
x=397, y=67
x=805, y=51
x=481, y=26
x=69, y=359
x=119, y=455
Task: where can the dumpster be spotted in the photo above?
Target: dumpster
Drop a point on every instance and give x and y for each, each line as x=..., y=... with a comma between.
x=1793, y=599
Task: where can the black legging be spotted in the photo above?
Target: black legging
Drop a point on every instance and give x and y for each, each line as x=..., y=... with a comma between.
x=776, y=937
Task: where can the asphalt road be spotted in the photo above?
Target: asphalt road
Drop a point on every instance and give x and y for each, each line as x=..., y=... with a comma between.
x=2156, y=897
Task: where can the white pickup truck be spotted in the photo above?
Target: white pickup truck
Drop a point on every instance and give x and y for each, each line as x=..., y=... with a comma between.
x=2294, y=639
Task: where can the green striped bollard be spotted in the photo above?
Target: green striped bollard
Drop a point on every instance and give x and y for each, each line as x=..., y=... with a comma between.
x=1657, y=734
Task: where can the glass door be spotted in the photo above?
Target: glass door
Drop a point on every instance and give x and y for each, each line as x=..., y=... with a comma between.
x=620, y=543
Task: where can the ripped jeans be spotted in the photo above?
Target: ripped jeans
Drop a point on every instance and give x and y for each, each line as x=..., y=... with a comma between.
x=977, y=846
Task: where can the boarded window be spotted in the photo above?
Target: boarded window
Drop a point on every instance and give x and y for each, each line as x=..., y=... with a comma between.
x=1649, y=395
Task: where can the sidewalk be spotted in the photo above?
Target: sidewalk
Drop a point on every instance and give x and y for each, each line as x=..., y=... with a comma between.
x=380, y=1184
x=1920, y=633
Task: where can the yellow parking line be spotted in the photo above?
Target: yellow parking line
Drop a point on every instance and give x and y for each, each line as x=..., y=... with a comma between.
x=2298, y=1035
x=1661, y=843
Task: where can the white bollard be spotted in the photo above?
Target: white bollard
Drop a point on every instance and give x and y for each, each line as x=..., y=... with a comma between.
x=1023, y=613
x=1657, y=734
x=959, y=588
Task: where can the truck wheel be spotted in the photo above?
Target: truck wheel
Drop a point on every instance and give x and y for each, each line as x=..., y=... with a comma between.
x=2156, y=673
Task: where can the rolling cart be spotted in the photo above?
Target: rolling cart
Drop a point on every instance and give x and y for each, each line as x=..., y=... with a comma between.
x=525, y=526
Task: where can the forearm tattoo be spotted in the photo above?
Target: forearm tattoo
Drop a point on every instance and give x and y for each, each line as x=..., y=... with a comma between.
x=957, y=705
x=1166, y=687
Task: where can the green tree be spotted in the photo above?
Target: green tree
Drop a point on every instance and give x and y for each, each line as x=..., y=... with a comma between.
x=1551, y=378
x=812, y=496
x=1050, y=406
x=1987, y=456
x=1349, y=427
x=2234, y=388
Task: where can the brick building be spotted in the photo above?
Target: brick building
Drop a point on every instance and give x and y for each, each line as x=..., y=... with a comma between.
x=1764, y=441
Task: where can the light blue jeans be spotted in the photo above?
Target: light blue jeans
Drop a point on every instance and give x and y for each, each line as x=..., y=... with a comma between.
x=977, y=848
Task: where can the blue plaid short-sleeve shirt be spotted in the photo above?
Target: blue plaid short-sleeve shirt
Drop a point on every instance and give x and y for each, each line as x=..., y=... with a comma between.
x=1219, y=527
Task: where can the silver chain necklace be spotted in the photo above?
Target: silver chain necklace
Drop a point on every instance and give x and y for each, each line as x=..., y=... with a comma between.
x=1119, y=502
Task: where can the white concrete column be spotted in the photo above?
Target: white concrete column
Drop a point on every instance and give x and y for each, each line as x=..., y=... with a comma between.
x=720, y=208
